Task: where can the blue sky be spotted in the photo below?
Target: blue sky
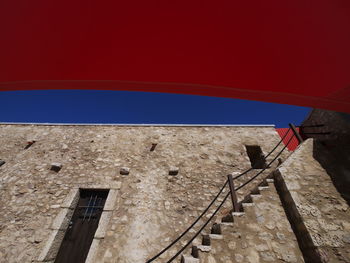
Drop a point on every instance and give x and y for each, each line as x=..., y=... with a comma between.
x=95, y=106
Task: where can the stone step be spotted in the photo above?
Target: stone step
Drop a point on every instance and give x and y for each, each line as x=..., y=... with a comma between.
x=245, y=205
x=228, y=240
x=263, y=188
x=215, y=236
x=195, y=252
x=189, y=259
x=239, y=243
x=226, y=227
x=211, y=236
x=227, y=219
x=227, y=224
x=238, y=214
x=206, y=240
x=204, y=248
x=255, y=197
x=216, y=229
x=255, y=191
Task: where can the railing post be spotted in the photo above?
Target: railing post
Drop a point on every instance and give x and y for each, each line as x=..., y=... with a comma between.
x=296, y=133
x=233, y=193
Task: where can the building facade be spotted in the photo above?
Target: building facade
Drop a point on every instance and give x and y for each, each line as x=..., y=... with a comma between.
x=134, y=189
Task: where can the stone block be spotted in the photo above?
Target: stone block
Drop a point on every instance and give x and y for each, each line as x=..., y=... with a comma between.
x=216, y=236
x=114, y=185
x=103, y=225
x=92, y=251
x=71, y=199
x=111, y=200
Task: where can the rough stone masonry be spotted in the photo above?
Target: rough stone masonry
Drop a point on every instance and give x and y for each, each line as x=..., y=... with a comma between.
x=155, y=194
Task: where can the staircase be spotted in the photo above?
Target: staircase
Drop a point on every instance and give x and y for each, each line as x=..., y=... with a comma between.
x=259, y=233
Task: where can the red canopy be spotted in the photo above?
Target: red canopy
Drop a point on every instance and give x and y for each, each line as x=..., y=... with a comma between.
x=295, y=51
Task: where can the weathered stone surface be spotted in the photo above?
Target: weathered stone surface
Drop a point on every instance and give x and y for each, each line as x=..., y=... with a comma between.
x=31, y=196
x=103, y=224
x=239, y=258
x=258, y=240
x=91, y=257
x=316, y=207
x=51, y=247
x=111, y=200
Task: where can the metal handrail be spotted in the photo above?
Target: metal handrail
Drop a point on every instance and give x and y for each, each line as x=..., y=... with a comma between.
x=250, y=169
x=282, y=139
x=200, y=230
x=218, y=208
x=192, y=225
x=274, y=159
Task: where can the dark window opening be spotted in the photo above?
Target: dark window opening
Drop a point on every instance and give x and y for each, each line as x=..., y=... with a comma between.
x=256, y=156
x=82, y=227
x=56, y=167
x=153, y=147
x=30, y=143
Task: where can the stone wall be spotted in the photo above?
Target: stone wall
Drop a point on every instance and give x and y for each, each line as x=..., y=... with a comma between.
x=332, y=150
x=320, y=216
x=336, y=123
x=261, y=233
x=151, y=207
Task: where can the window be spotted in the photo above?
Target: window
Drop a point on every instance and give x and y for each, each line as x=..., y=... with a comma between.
x=256, y=156
x=82, y=227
